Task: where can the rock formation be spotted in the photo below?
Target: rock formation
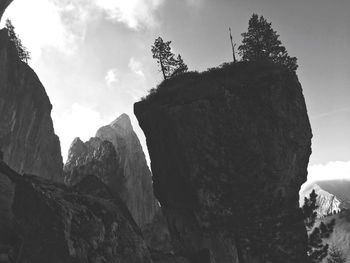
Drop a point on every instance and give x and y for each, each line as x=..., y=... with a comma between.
x=327, y=203
x=83, y=224
x=115, y=155
x=3, y=5
x=229, y=151
x=27, y=137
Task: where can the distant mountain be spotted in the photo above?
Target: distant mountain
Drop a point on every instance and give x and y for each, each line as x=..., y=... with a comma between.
x=339, y=188
x=327, y=202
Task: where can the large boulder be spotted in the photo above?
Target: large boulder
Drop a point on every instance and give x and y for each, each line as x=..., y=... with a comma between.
x=229, y=151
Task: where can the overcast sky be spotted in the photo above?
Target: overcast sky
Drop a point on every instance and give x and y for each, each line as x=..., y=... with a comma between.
x=94, y=58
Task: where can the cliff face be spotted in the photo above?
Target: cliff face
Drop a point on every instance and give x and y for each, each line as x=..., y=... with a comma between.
x=115, y=155
x=27, y=137
x=84, y=224
x=229, y=151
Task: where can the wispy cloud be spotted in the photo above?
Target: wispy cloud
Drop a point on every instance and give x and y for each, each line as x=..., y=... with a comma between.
x=111, y=77
x=329, y=113
x=133, y=13
x=136, y=67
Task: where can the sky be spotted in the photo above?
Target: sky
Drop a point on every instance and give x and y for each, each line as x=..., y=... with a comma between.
x=94, y=58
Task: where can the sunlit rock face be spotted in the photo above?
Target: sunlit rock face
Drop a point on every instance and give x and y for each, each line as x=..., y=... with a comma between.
x=232, y=141
x=137, y=180
x=327, y=203
x=27, y=137
x=3, y=5
x=86, y=223
x=115, y=156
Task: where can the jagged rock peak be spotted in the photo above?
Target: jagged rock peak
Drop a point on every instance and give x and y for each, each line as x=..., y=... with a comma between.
x=327, y=202
x=122, y=121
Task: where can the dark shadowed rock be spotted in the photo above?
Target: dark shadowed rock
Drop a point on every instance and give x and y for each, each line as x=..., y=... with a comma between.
x=84, y=224
x=27, y=137
x=241, y=132
x=3, y=5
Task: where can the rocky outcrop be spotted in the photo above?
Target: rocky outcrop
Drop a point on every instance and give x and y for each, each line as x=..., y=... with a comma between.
x=3, y=5
x=27, y=137
x=229, y=151
x=83, y=224
x=137, y=178
x=115, y=156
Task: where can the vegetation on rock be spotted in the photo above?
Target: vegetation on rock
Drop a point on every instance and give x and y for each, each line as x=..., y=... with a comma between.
x=23, y=53
x=335, y=255
x=169, y=65
x=261, y=43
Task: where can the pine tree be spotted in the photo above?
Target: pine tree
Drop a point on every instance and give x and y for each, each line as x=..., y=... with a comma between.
x=169, y=65
x=335, y=255
x=22, y=51
x=261, y=43
x=317, y=250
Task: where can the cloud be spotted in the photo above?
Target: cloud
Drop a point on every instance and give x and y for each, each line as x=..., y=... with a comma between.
x=330, y=113
x=133, y=13
x=136, y=67
x=111, y=77
x=324, y=172
x=62, y=24
x=38, y=24
x=329, y=171
x=79, y=121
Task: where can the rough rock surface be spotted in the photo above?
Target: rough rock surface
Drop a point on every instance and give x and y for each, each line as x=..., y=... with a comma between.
x=27, y=137
x=244, y=126
x=94, y=157
x=3, y=5
x=115, y=155
x=84, y=224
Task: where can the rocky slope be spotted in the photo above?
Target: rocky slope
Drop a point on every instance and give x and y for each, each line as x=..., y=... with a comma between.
x=27, y=137
x=83, y=224
x=229, y=151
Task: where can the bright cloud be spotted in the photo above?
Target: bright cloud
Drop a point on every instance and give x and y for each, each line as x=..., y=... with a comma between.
x=133, y=13
x=111, y=77
x=79, y=121
x=136, y=67
x=38, y=24
x=329, y=171
x=323, y=172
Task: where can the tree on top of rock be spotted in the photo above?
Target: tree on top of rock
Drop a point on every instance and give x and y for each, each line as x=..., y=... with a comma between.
x=22, y=51
x=261, y=43
x=169, y=65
